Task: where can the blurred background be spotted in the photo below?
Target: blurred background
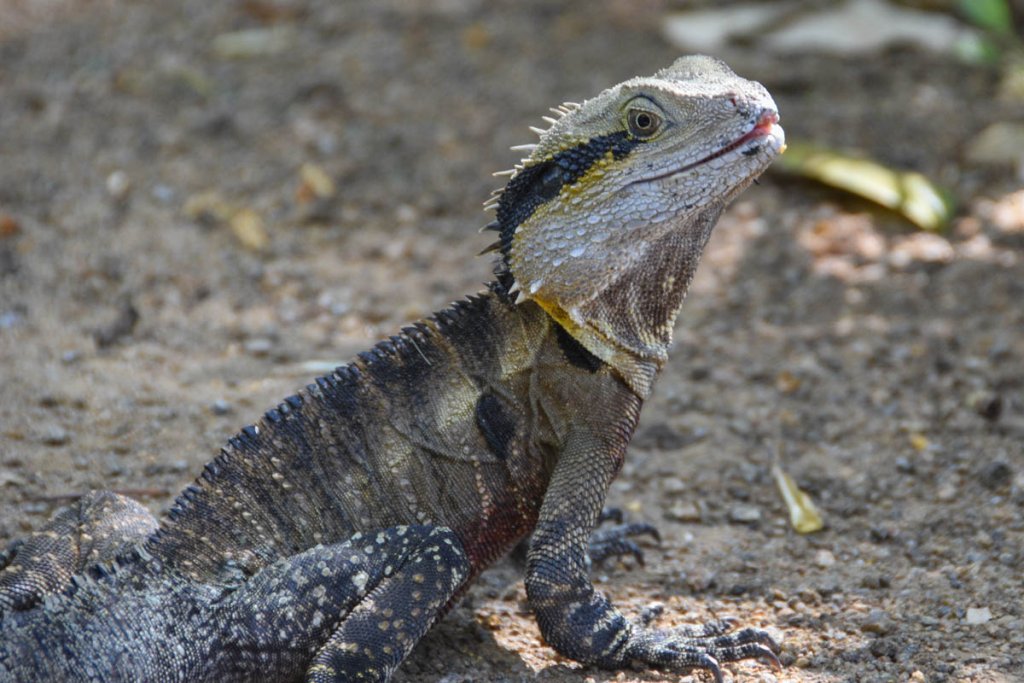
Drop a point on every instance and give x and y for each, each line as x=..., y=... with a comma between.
x=204, y=205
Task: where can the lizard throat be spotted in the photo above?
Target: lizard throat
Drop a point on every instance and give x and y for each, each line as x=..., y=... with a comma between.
x=627, y=321
x=638, y=373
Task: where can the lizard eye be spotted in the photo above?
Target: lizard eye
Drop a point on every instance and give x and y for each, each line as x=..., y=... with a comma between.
x=642, y=123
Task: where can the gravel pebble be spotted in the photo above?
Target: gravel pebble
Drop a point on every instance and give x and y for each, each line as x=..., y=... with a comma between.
x=684, y=512
x=673, y=486
x=824, y=558
x=744, y=514
x=55, y=435
x=875, y=581
x=169, y=467
x=221, y=407
x=995, y=475
x=878, y=622
x=118, y=185
x=977, y=615
x=258, y=346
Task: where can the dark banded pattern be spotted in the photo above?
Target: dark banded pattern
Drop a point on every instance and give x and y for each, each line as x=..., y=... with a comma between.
x=541, y=182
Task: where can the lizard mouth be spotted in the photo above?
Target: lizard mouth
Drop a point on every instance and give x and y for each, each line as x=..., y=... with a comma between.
x=766, y=126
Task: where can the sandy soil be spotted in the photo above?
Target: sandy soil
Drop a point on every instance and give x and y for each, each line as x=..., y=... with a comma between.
x=166, y=274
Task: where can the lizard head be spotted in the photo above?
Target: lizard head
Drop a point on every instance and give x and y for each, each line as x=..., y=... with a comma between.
x=603, y=224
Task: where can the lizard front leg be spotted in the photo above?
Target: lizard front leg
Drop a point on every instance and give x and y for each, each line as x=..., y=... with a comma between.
x=580, y=622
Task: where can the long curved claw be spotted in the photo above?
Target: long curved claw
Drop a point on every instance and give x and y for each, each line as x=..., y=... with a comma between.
x=710, y=664
x=772, y=658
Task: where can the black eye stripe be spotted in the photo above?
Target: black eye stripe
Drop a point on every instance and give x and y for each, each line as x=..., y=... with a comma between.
x=551, y=181
x=539, y=183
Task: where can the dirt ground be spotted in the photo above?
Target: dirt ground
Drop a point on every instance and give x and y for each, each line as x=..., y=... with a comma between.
x=174, y=260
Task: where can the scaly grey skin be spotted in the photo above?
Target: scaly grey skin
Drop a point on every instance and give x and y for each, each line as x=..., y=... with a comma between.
x=326, y=539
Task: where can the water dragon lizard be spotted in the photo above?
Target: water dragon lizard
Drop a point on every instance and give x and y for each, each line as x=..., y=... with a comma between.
x=325, y=539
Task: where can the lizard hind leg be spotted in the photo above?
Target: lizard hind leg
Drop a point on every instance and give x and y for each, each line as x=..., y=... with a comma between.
x=346, y=611
x=95, y=529
x=383, y=628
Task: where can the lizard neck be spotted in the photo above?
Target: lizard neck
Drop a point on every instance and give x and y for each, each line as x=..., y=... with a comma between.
x=628, y=324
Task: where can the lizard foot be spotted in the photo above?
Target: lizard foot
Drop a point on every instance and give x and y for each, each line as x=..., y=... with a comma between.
x=616, y=541
x=611, y=514
x=702, y=647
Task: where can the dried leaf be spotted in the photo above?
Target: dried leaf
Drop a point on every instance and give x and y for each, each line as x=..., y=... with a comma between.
x=786, y=382
x=9, y=226
x=315, y=182
x=209, y=207
x=803, y=516
x=918, y=441
x=906, y=192
x=247, y=225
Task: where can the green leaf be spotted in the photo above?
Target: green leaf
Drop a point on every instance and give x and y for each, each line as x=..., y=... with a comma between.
x=908, y=193
x=991, y=15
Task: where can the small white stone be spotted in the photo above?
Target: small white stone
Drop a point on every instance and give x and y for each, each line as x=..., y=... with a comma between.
x=978, y=615
x=118, y=184
x=745, y=514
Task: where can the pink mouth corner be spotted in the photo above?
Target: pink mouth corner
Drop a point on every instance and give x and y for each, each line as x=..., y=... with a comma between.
x=768, y=119
x=764, y=126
